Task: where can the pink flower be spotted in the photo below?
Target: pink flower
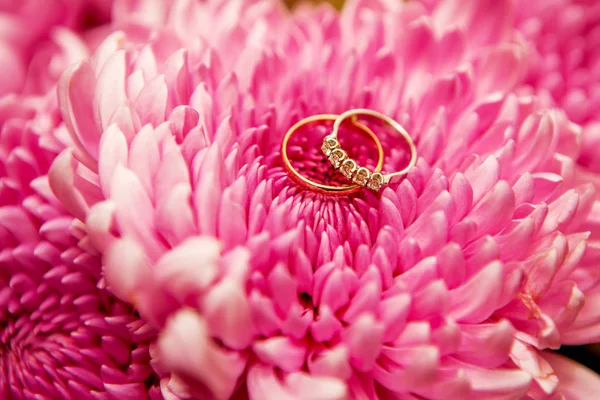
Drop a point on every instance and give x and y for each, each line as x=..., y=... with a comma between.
x=449, y=285
x=577, y=382
x=565, y=69
x=565, y=40
x=62, y=335
x=26, y=26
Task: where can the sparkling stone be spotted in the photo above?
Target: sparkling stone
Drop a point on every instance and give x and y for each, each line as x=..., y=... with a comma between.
x=361, y=177
x=348, y=167
x=375, y=182
x=337, y=157
x=329, y=145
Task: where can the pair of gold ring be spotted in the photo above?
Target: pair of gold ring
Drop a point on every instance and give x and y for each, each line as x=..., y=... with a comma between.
x=359, y=175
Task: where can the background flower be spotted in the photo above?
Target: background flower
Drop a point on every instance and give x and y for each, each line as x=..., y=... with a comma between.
x=566, y=62
x=447, y=285
x=565, y=65
x=62, y=335
x=565, y=70
x=28, y=24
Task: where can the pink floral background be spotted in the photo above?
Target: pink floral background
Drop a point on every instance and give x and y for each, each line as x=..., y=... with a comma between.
x=152, y=245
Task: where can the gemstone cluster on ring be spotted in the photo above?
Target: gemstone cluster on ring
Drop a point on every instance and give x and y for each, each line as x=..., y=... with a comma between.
x=350, y=168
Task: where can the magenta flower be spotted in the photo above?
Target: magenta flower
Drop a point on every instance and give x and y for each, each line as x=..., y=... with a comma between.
x=452, y=284
x=62, y=334
x=566, y=63
x=565, y=69
x=26, y=27
x=565, y=42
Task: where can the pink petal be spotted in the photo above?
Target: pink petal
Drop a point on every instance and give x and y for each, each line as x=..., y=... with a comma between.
x=76, y=104
x=62, y=178
x=130, y=391
x=110, y=87
x=144, y=158
x=498, y=382
x=366, y=300
x=283, y=288
x=575, y=380
x=189, y=268
x=486, y=345
x=263, y=384
x=501, y=69
x=113, y=151
x=151, y=103
x=394, y=312
x=186, y=348
x=335, y=292
x=478, y=298
x=101, y=224
x=134, y=211
x=493, y=212
x=530, y=360
x=174, y=215
x=363, y=339
x=331, y=362
x=226, y=309
x=310, y=387
x=125, y=268
x=281, y=352
x=326, y=325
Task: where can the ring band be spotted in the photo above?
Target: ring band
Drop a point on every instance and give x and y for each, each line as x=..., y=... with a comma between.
x=320, y=187
x=349, y=168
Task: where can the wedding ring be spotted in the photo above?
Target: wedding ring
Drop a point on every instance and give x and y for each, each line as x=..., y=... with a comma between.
x=362, y=176
x=317, y=186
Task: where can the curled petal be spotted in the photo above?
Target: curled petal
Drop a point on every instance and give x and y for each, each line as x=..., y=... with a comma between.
x=575, y=381
x=189, y=268
x=186, y=348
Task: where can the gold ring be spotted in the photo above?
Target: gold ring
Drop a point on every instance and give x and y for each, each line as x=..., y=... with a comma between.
x=320, y=187
x=349, y=168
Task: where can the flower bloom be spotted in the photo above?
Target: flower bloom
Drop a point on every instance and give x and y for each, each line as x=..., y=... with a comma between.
x=26, y=27
x=564, y=69
x=62, y=334
x=565, y=42
x=452, y=284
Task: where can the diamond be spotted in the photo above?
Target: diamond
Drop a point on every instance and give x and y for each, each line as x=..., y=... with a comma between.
x=348, y=167
x=328, y=145
x=337, y=157
x=375, y=182
x=361, y=177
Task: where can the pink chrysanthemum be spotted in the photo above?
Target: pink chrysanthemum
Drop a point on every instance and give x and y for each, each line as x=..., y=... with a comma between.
x=27, y=24
x=565, y=40
x=449, y=285
x=62, y=335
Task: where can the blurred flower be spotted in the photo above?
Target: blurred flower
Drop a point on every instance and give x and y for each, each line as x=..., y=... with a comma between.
x=565, y=41
x=448, y=285
x=576, y=382
x=62, y=335
x=565, y=38
x=27, y=24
